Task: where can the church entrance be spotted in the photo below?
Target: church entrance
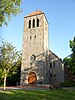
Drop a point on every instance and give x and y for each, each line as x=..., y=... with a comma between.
x=32, y=78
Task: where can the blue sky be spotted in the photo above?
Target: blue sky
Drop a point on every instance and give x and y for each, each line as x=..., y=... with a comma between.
x=61, y=17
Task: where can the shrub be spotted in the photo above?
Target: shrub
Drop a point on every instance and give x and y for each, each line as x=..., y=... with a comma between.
x=67, y=84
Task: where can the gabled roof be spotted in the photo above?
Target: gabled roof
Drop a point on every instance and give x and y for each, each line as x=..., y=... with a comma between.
x=55, y=55
x=37, y=12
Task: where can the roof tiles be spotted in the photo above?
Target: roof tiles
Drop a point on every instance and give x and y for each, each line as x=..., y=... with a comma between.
x=37, y=12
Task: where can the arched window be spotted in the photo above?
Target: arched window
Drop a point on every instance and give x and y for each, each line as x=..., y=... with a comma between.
x=33, y=23
x=37, y=22
x=29, y=23
x=30, y=37
x=35, y=36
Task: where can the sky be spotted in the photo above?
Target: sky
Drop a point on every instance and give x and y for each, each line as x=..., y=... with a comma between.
x=61, y=18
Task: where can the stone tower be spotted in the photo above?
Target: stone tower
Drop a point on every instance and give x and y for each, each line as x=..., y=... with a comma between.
x=34, y=67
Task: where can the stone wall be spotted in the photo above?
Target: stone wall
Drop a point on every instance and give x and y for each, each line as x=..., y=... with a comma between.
x=36, y=57
x=37, y=46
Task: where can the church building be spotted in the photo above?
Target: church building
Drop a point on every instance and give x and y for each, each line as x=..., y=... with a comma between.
x=39, y=64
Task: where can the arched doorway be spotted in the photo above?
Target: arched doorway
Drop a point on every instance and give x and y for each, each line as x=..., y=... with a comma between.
x=32, y=78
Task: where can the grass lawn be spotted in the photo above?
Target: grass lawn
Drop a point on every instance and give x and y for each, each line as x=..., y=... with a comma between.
x=37, y=95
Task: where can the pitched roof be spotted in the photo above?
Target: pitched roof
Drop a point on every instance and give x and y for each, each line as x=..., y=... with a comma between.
x=37, y=12
x=55, y=55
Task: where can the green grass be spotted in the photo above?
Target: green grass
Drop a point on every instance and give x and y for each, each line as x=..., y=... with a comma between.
x=37, y=95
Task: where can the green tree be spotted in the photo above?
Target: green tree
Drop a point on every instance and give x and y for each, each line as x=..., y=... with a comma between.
x=72, y=62
x=9, y=60
x=69, y=61
x=8, y=8
x=66, y=61
x=14, y=79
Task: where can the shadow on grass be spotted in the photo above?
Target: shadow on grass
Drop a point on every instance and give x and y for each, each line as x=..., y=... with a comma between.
x=37, y=95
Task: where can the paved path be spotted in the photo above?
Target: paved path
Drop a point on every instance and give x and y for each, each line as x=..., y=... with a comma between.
x=25, y=88
x=33, y=88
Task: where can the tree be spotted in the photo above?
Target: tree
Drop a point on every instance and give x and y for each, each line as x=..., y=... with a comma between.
x=69, y=61
x=8, y=8
x=14, y=79
x=9, y=60
x=72, y=62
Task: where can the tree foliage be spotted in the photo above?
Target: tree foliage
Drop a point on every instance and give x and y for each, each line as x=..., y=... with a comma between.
x=70, y=61
x=9, y=60
x=14, y=79
x=8, y=8
x=72, y=46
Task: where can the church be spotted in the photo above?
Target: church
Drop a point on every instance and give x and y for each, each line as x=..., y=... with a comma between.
x=39, y=64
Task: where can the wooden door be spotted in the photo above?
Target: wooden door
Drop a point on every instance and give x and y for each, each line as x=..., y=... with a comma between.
x=32, y=78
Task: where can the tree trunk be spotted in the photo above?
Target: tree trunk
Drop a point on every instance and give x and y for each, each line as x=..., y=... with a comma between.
x=5, y=76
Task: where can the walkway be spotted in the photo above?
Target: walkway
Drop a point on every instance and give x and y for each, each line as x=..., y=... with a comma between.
x=33, y=88
x=25, y=88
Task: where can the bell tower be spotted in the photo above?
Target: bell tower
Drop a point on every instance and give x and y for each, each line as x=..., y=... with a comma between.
x=34, y=68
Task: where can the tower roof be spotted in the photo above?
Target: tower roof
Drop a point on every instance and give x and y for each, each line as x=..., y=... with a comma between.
x=37, y=12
